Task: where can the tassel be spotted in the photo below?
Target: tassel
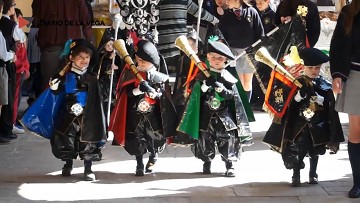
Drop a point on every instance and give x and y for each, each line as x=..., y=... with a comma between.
x=66, y=50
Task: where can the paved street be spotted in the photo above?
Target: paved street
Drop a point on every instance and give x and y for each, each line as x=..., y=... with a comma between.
x=30, y=173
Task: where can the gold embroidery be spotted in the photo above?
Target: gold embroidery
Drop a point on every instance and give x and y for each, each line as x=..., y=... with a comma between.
x=279, y=96
x=302, y=10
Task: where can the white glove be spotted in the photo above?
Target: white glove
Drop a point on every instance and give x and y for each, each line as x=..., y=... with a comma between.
x=204, y=87
x=298, y=97
x=54, y=84
x=137, y=91
x=219, y=89
x=319, y=99
x=154, y=95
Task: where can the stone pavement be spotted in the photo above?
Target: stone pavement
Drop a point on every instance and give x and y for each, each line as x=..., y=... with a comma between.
x=30, y=173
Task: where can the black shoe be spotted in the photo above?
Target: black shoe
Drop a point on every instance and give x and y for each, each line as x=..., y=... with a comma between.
x=313, y=179
x=139, y=170
x=230, y=172
x=66, y=171
x=89, y=176
x=354, y=192
x=11, y=136
x=150, y=164
x=4, y=140
x=149, y=167
x=207, y=167
x=295, y=182
x=30, y=100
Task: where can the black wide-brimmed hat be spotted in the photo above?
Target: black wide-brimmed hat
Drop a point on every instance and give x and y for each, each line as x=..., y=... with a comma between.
x=107, y=36
x=313, y=56
x=220, y=48
x=74, y=44
x=148, y=52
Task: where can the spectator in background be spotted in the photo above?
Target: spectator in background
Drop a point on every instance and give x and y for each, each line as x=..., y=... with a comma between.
x=288, y=8
x=52, y=36
x=172, y=24
x=267, y=14
x=33, y=84
x=6, y=56
x=345, y=70
x=241, y=26
x=22, y=73
x=221, y=6
x=12, y=34
x=205, y=26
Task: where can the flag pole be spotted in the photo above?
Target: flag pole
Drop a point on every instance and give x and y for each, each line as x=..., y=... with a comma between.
x=253, y=45
x=117, y=21
x=200, y=2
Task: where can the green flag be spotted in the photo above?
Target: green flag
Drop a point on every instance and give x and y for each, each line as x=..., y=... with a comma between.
x=190, y=121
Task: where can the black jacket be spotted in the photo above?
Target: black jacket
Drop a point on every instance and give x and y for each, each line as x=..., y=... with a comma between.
x=226, y=111
x=268, y=19
x=312, y=19
x=93, y=119
x=324, y=126
x=345, y=49
x=244, y=31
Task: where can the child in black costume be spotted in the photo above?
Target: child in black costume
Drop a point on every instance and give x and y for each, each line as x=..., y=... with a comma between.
x=214, y=115
x=310, y=125
x=107, y=54
x=80, y=125
x=140, y=118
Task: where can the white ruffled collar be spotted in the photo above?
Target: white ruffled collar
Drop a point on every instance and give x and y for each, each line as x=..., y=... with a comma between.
x=78, y=71
x=216, y=70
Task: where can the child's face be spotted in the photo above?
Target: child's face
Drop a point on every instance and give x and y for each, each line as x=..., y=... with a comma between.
x=312, y=71
x=81, y=60
x=262, y=4
x=143, y=65
x=216, y=61
x=109, y=46
x=193, y=45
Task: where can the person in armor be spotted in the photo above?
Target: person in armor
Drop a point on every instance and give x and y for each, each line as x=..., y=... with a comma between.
x=310, y=125
x=220, y=119
x=107, y=55
x=143, y=109
x=79, y=128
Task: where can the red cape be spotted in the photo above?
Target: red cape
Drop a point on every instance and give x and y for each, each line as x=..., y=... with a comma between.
x=118, y=116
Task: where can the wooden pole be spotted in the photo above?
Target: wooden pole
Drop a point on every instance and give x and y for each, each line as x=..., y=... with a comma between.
x=339, y=4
